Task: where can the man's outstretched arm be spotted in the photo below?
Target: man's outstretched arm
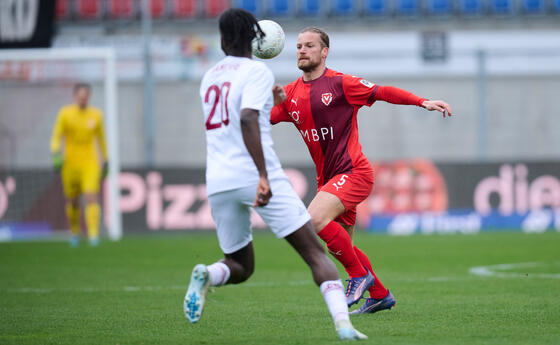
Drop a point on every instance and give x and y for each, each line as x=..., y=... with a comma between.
x=395, y=95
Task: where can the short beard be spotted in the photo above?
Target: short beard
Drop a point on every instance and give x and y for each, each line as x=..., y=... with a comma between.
x=309, y=67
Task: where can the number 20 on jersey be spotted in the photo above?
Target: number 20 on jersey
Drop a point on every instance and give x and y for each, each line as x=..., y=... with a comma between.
x=217, y=96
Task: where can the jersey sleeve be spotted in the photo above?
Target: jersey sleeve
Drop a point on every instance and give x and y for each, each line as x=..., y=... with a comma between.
x=57, y=132
x=258, y=87
x=358, y=91
x=100, y=133
x=395, y=95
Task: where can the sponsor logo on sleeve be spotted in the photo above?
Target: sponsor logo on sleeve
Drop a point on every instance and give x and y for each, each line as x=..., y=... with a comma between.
x=367, y=83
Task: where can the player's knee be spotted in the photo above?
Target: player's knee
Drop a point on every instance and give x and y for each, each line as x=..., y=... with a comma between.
x=91, y=198
x=242, y=275
x=74, y=202
x=248, y=272
x=319, y=222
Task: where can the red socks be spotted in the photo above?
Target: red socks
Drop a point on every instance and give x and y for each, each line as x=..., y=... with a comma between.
x=340, y=245
x=377, y=291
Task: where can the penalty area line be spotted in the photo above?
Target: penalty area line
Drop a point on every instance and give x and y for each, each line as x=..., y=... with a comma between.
x=501, y=270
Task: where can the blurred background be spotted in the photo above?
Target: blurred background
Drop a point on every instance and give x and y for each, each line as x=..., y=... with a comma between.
x=493, y=166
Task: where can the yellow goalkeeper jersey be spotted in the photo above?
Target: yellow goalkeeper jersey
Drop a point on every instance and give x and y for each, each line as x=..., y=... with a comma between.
x=80, y=128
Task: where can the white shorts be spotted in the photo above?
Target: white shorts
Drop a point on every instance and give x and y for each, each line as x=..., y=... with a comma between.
x=231, y=210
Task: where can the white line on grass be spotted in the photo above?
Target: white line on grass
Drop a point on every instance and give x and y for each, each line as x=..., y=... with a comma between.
x=498, y=271
x=148, y=288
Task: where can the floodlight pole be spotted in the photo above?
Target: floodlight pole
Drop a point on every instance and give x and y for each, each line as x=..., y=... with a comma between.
x=481, y=86
x=147, y=106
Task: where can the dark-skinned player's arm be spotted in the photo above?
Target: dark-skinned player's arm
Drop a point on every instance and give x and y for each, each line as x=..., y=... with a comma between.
x=252, y=138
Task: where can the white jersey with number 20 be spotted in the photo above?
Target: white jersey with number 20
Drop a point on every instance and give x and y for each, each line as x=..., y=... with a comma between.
x=233, y=84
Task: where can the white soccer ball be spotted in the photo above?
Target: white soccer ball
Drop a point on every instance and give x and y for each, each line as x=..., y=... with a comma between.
x=272, y=43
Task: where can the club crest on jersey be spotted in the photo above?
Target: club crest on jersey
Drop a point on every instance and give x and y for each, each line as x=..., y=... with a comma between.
x=326, y=98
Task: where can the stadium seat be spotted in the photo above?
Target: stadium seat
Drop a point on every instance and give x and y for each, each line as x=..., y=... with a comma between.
x=62, y=10
x=279, y=7
x=213, y=8
x=253, y=6
x=183, y=9
x=533, y=6
x=121, y=9
x=375, y=7
x=342, y=7
x=158, y=8
x=407, y=7
x=501, y=6
x=88, y=9
x=556, y=6
x=439, y=7
x=309, y=8
x=471, y=7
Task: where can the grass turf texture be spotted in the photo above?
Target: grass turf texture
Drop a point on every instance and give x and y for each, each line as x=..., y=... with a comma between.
x=131, y=292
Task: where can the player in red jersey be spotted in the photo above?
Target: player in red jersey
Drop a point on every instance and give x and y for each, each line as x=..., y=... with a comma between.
x=323, y=105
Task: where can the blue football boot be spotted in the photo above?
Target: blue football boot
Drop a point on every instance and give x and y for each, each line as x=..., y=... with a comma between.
x=196, y=293
x=346, y=331
x=373, y=305
x=357, y=286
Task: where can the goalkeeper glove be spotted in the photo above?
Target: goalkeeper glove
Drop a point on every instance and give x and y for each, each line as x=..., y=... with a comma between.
x=105, y=169
x=57, y=161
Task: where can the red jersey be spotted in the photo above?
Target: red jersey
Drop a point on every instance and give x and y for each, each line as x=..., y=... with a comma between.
x=324, y=111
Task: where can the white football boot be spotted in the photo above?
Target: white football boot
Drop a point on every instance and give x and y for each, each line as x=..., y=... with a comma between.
x=196, y=293
x=346, y=331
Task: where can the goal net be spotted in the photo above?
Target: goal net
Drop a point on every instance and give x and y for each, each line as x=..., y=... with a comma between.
x=34, y=85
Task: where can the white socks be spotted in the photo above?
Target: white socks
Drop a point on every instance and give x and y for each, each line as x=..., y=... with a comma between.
x=219, y=273
x=333, y=292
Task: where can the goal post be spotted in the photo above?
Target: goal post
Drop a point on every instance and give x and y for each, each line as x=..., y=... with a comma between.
x=106, y=58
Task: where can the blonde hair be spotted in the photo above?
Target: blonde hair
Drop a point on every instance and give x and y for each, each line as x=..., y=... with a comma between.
x=322, y=35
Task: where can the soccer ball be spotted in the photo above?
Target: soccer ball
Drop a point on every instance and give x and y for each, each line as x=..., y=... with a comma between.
x=272, y=44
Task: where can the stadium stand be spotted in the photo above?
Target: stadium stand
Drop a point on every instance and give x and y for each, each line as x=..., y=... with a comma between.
x=407, y=7
x=439, y=7
x=533, y=6
x=122, y=9
x=309, y=8
x=88, y=9
x=184, y=9
x=158, y=8
x=502, y=7
x=213, y=8
x=556, y=6
x=62, y=9
x=253, y=6
x=343, y=7
x=95, y=10
x=375, y=8
x=471, y=7
x=280, y=8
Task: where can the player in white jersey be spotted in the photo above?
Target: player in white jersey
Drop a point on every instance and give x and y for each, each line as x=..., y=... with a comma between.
x=236, y=99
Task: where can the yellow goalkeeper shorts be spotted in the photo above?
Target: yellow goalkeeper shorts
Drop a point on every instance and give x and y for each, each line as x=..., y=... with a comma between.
x=80, y=179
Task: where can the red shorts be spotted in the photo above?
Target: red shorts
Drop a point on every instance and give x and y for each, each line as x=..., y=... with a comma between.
x=351, y=188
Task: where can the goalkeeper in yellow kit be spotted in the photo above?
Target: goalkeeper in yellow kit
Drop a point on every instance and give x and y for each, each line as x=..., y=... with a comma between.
x=82, y=162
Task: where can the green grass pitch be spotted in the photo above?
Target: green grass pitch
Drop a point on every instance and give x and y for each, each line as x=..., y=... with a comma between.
x=131, y=292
